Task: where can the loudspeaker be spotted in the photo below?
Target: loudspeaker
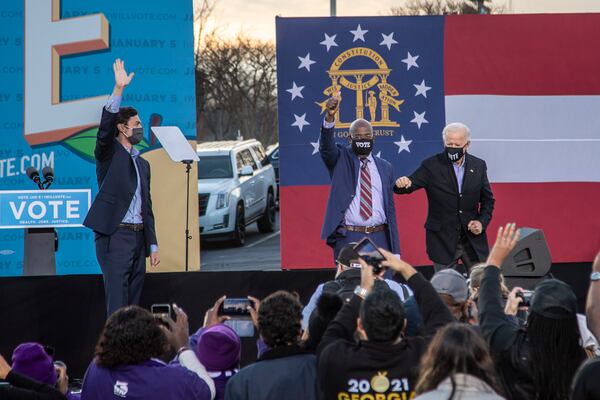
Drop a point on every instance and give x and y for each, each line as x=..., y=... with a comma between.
x=531, y=256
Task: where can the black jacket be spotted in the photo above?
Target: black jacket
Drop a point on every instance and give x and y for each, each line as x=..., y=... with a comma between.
x=449, y=211
x=280, y=373
x=22, y=388
x=346, y=367
x=117, y=182
x=508, y=342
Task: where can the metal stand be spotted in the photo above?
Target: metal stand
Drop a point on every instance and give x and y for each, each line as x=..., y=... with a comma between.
x=188, y=237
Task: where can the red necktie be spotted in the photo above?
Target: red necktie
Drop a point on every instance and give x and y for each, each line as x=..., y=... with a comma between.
x=366, y=199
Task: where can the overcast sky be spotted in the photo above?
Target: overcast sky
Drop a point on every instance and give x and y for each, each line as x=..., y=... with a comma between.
x=256, y=18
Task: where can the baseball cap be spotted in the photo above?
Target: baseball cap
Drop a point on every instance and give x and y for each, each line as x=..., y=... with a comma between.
x=553, y=299
x=451, y=282
x=347, y=254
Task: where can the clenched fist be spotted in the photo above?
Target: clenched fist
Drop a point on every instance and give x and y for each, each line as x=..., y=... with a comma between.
x=333, y=105
x=403, y=182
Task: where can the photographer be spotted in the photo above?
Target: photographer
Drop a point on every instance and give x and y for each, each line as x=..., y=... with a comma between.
x=537, y=363
x=36, y=362
x=383, y=361
x=127, y=360
x=218, y=347
x=285, y=370
x=586, y=385
x=347, y=277
x=19, y=387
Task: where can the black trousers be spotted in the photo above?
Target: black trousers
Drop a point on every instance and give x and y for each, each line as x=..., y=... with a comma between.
x=122, y=260
x=465, y=253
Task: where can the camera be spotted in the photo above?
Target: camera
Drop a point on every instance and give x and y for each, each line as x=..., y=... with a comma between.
x=367, y=250
x=526, y=296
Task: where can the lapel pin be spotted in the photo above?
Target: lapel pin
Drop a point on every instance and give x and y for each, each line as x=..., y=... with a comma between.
x=471, y=170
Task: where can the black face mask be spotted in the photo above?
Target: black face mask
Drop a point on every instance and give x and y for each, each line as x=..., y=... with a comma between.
x=455, y=153
x=362, y=147
x=137, y=134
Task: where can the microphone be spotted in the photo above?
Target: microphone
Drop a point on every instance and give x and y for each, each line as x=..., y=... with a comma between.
x=34, y=175
x=48, y=174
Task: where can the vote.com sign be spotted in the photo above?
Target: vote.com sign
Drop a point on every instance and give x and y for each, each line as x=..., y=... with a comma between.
x=47, y=208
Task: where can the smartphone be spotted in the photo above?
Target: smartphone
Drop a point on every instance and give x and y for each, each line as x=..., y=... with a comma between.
x=162, y=310
x=367, y=250
x=235, y=307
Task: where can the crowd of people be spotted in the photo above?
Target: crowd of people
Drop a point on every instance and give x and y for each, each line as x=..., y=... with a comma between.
x=361, y=337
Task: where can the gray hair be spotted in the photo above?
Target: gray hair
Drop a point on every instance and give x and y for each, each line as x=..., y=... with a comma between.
x=456, y=127
x=359, y=123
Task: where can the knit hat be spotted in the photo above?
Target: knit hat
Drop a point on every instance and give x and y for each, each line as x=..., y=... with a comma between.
x=31, y=360
x=219, y=348
x=553, y=299
x=451, y=282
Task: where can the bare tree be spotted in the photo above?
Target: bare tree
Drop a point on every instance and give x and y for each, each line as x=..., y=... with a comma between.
x=203, y=10
x=236, y=89
x=445, y=7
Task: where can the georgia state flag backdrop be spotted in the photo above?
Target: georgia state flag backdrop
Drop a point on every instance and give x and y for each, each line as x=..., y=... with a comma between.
x=528, y=86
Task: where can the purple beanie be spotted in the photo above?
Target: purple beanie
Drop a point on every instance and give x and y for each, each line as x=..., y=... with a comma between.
x=219, y=348
x=32, y=361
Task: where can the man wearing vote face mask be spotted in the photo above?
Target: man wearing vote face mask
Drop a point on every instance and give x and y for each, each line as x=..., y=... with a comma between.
x=460, y=200
x=121, y=214
x=361, y=197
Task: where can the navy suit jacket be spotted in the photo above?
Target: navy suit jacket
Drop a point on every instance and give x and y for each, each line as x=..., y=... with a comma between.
x=344, y=166
x=117, y=182
x=450, y=211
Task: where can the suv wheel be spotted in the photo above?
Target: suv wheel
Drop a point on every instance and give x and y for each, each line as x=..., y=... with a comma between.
x=267, y=222
x=239, y=236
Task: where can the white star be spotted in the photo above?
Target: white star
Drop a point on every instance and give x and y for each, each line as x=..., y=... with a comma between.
x=296, y=91
x=306, y=62
x=329, y=41
x=422, y=89
x=388, y=40
x=300, y=121
x=403, y=144
x=378, y=154
x=315, y=146
x=419, y=119
x=359, y=34
x=410, y=61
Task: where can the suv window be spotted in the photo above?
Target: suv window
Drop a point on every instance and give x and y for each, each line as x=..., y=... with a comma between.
x=243, y=158
x=260, y=154
x=214, y=167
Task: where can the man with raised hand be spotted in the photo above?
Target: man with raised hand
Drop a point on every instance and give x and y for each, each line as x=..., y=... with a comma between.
x=460, y=200
x=361, y=198
x=121, y=214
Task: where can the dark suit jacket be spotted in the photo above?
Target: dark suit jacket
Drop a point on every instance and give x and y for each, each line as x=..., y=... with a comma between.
x=343, y=166
x=449, y=211
x=117, y=182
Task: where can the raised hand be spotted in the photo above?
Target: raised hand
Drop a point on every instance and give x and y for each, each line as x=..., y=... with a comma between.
x=333, y=105
x=122, y=79
x=403, y=182
x=178, y=332
x=4, y=368
x=505, y=241
x=212, y=316
x=393, y=262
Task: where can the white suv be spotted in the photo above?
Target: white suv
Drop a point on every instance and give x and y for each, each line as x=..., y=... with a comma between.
x=236, y=187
